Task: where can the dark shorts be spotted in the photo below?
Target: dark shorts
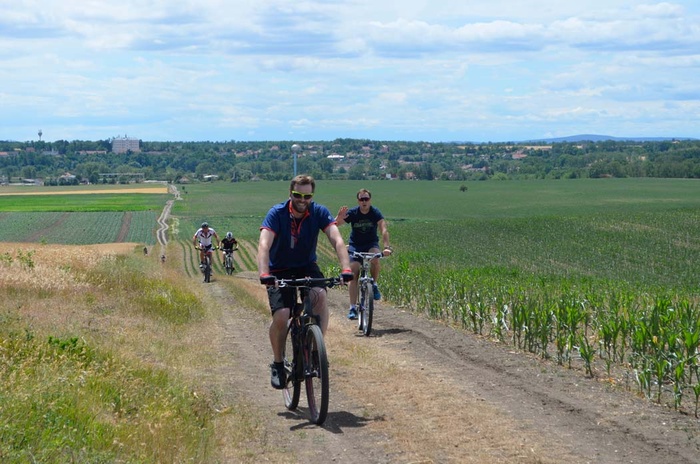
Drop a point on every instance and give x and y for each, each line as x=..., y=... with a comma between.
x=286, y=297
x=361, y=249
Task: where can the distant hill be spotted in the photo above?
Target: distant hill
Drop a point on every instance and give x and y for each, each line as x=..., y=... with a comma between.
x=603, y=138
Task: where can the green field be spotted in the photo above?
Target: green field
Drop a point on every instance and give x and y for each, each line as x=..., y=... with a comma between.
x=243, y=205
x=51, y=215
x=602, y=271
x=638, y=229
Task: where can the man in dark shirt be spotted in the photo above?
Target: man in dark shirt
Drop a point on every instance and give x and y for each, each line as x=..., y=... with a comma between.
x=366, y=221
x=287, y=250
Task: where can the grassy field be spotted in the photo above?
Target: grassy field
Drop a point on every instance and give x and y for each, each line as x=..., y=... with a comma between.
x=599, y=271
x=76, y=322
x=246, y=203
x=81, y=214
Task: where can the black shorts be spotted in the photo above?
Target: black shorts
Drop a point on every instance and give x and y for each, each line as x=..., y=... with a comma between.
x=286, y=297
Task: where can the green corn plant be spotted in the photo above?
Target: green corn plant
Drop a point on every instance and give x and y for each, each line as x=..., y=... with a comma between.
x=696, y=391
x=678, y=384
x=643, y=378
x=587, y=353
x=662, y=368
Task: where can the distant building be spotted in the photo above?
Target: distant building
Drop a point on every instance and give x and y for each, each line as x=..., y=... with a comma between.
x=124, y=144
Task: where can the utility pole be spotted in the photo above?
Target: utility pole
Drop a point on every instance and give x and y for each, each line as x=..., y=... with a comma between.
x=295, y=149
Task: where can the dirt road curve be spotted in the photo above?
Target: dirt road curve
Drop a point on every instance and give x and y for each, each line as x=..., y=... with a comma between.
x=162, y=232
x=418, y=391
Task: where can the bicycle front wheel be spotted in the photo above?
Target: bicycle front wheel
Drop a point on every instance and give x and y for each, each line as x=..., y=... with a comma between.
x=207, y=269
x=316, y=374
x=229, y=264
x=367, y=302
x=361, y=305
x=292, y=389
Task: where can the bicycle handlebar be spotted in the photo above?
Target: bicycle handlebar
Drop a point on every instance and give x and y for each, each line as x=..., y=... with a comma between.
x=310, y=282
x=365, y=255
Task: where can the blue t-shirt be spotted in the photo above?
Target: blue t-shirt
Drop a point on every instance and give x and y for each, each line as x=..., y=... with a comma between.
x=364, y=226
x=295, y=240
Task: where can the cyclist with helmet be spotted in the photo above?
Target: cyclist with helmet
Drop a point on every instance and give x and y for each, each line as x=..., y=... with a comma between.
x=228, y=244
x=203, y=238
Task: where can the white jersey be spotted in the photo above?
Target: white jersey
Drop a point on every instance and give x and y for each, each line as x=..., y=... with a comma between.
x=205, y=238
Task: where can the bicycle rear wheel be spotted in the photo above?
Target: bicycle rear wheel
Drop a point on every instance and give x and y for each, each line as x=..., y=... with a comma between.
x=292, y=389
x=316, y=374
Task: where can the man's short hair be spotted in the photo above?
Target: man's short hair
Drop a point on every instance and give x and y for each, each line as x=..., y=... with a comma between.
x=303, y=179
x=361, y=191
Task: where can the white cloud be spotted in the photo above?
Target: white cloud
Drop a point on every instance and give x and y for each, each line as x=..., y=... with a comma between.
x=214, y=69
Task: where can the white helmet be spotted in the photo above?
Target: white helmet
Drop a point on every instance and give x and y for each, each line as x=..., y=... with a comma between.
x=229, y=235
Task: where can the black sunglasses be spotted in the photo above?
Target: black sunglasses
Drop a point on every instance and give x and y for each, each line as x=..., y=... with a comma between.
x=364, y=199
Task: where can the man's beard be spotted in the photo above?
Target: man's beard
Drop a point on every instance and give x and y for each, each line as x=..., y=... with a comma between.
x=295, y=208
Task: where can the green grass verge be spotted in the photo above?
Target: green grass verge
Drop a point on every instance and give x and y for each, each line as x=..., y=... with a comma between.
x=83, y=202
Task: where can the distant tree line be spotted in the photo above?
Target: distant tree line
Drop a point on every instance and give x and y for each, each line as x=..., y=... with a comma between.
x=89, y=161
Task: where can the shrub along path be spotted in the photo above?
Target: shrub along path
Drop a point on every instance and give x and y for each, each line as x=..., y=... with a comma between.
x=420, y=391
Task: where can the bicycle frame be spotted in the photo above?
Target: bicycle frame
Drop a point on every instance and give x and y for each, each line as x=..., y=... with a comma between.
x=228, y=259
x=365, y=291
x=305, y=354
x=207, y=262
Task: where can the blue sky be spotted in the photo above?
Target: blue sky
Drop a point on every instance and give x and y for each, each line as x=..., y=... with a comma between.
x=437, y=70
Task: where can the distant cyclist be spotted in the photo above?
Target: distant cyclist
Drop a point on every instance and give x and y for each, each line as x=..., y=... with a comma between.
x=202, y=238
x=228, y=244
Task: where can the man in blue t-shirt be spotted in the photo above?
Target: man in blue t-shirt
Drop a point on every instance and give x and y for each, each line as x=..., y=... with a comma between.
x=287, y=250
x=366, y=221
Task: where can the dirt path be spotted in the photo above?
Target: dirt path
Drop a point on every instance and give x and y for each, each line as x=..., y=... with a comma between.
x=37, y=235
x=418, y=391
x=162, y=232
x=124, y=230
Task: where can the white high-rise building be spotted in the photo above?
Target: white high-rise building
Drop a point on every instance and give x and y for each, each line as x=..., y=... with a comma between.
x=124, y=144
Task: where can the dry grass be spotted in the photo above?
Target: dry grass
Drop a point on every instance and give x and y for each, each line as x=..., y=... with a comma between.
x=51, y=266
x=88, y=296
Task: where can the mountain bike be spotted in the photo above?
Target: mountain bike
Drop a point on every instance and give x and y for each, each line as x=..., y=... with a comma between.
x=229, y=264
x=365, y=302
x=206, y=266
x=305, y=357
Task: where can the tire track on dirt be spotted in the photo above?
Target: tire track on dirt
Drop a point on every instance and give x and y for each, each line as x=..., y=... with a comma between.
x=243, y=376
x=36, y=236
x=124, y=230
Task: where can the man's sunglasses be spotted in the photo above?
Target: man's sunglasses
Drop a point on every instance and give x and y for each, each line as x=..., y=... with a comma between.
x=305, y=196
x=364, y=199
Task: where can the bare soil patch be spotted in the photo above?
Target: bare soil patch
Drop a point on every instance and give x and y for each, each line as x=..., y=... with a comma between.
x=124, y=230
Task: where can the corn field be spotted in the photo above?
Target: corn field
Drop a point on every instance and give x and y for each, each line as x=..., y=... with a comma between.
x=600, y=294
